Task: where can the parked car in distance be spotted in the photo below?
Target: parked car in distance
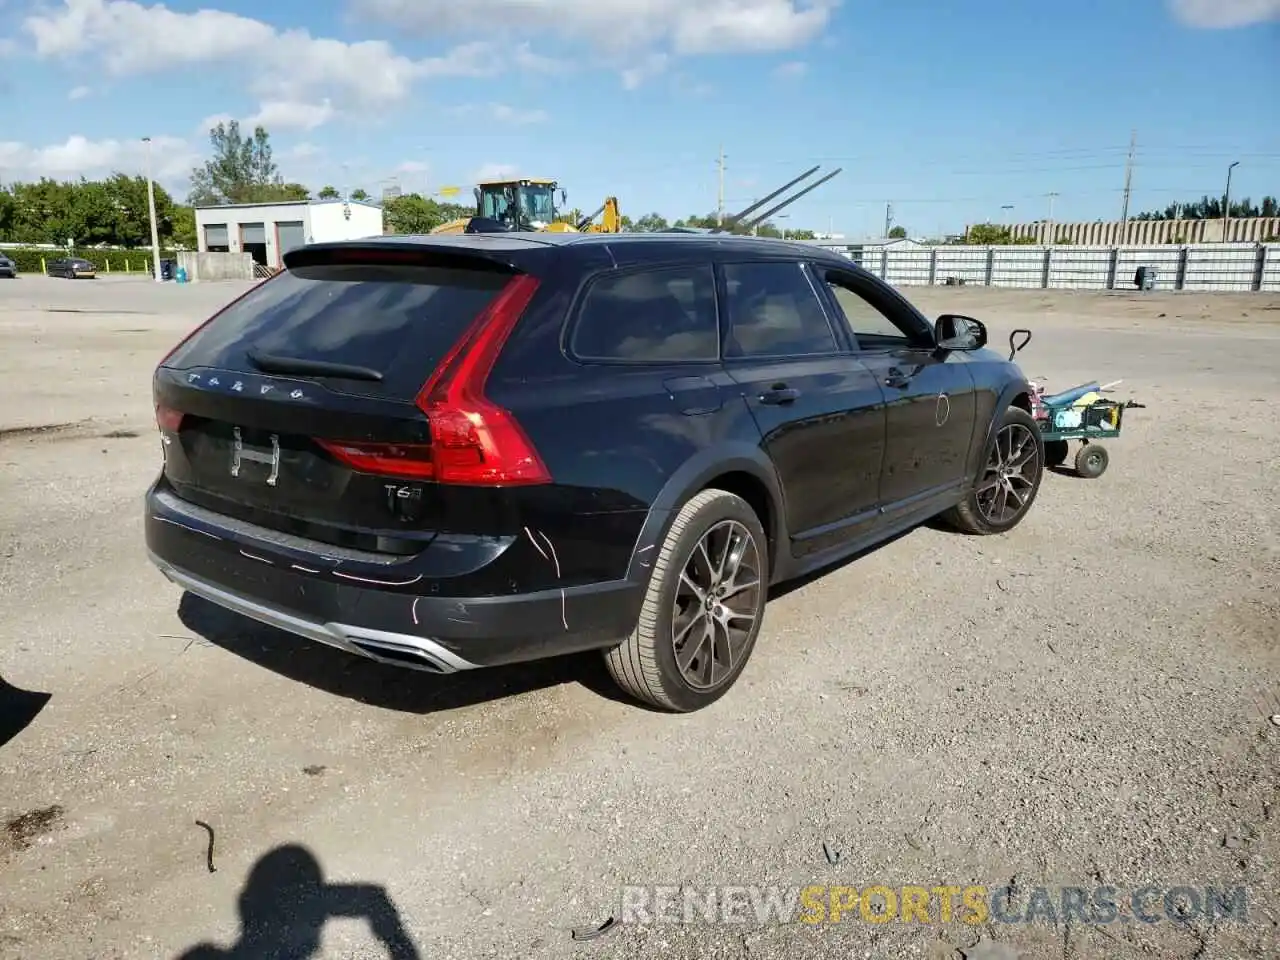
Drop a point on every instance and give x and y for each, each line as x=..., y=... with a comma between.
x=461, y=451
x=71, y=267
x=8, y=268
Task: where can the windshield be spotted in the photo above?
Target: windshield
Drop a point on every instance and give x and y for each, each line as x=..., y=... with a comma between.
x=538, y=203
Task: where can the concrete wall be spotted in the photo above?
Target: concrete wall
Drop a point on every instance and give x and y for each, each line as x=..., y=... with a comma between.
x=329, y=221
x=216, y=266
x=1141, y=232
x=1216, y=266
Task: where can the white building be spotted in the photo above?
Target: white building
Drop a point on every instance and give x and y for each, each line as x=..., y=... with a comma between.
x=269, y=230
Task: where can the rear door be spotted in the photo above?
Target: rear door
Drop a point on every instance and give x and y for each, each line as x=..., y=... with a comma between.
x=820, y=412
x=930, y=401
x=273, y=411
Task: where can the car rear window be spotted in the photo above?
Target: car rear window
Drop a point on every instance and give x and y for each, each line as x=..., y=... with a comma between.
x=399, y=320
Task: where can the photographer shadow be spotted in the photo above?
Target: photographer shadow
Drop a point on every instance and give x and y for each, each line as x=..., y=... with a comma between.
x=285, y=904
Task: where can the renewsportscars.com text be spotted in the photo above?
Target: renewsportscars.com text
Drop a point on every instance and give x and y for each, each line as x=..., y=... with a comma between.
x=879, y=903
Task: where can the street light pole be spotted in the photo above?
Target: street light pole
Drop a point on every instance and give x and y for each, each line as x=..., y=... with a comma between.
x=151, y=209
x=1226, y=202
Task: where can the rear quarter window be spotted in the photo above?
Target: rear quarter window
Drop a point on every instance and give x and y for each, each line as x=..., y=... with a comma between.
x=397, y=319
x=660, y=315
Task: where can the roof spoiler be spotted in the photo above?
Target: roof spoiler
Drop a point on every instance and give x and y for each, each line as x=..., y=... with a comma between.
x=739, y=220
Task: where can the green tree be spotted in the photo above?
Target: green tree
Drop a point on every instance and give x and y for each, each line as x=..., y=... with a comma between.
x=898, y=233
x=1210, y=208
x=183, y=222
x=987, y=234
x=651, y=223
x=411, y=213
x=802, y=235
x=328, y=193
x=242, y=170
x=129, y=219
x=359, y=194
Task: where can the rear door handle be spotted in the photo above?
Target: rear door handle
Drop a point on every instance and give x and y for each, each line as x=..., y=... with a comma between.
x=780, y=393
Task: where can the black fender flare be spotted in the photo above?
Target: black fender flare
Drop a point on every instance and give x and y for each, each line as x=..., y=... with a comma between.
x=693, y=476
x=1011, y=391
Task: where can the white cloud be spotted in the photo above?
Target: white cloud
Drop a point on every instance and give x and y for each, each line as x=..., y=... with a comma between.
x=78, y=93
x=650, y=66
x=285, y=66
x=171, y=159
x=686, y=26
x=1225, y=14
x=495, y=171
x=636, y=34
x=290, y=115
x=792, y=70
x=502, y=113
x=302, y=151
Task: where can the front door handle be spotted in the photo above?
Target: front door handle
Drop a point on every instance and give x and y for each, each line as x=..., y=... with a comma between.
x=780, y=393
x=898, y=380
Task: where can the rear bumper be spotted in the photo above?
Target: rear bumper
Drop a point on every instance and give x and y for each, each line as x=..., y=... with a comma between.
x=410, y=623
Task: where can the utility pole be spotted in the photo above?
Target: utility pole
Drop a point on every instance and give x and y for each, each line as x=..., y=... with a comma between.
x=1053, y=195
x=1226, y=202
x=888, y=218
x=151, y=209
x=1128, y=183
x=720, y=192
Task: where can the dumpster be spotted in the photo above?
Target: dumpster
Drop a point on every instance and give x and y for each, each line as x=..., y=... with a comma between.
x=167, y=269
x=1145, y=277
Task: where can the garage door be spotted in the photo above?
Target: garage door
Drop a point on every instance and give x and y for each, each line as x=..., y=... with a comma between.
x=215, y=235
x=292, y=235
x=253, y=233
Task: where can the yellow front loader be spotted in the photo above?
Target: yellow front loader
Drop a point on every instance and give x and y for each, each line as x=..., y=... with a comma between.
x=528, y=204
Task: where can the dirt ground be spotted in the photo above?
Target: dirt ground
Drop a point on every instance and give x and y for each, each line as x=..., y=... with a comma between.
x=1082, y=702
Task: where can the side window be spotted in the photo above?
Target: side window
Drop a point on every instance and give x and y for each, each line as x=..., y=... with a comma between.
x=774, y=312
x=870, y=325
x=666, y=314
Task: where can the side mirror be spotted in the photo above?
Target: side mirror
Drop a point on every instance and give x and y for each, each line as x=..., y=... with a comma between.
x=564, y=197
x=478, y=195
x=954, y=332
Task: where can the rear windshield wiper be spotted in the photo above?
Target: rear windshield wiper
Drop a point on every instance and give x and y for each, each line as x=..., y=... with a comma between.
x=274, y=363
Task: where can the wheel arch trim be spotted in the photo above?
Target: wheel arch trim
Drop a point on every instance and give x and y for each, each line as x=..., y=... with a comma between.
x=694, y=476
x=1009, y=395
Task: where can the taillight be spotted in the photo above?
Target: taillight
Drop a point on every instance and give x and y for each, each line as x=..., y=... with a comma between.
x=473, y=440
x=168, y=419
x=409, y=460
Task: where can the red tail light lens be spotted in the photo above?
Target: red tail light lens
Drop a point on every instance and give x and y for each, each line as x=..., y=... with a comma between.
x=412, y=461
x=473, y=440
x=168, y=419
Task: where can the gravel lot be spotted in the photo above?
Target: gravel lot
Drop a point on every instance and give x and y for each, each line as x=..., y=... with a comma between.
x=1082, y=702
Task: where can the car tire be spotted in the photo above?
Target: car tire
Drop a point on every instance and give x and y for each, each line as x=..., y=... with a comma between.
x=684, y=604
x=985, y=510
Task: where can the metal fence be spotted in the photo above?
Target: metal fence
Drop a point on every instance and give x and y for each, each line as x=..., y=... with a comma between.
x=1216, y=266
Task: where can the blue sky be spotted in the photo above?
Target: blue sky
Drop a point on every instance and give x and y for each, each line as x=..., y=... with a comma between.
x=949, y=111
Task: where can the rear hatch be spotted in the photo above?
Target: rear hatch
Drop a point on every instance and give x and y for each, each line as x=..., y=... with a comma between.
x=331, y=400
